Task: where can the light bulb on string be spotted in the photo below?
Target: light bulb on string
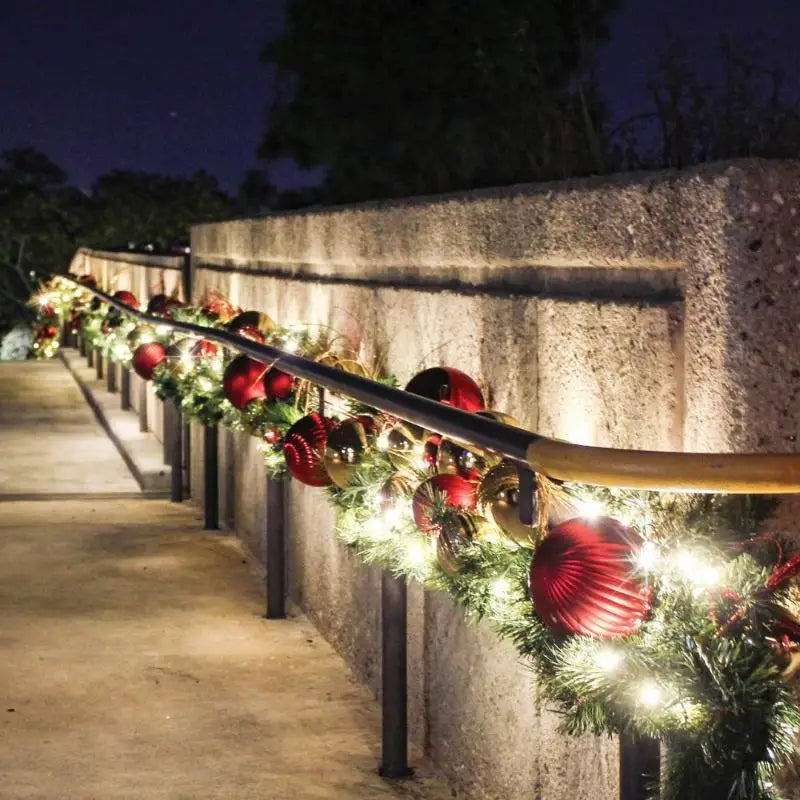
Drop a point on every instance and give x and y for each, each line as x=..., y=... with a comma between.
x=589, y=509
x=648, y=557
x=607, y=659
x=650, y=694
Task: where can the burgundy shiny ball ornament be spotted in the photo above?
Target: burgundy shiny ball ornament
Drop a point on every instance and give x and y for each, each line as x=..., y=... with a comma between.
x=126, y=297
x=582, y=579
x=146, y=358
x=161, y=305
x=243, y=381
x=88, y=280
x=278, y=384
x=458, y=493
x=304, y=449
x=252, y=319
x=448, y=385
x=204, y=349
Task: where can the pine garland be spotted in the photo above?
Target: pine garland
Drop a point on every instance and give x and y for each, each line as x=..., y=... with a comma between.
x=706, y=673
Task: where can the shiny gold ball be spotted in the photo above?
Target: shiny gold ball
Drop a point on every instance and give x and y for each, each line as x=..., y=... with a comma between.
x=458, y=460
x=404, y=447
x=455, y=533
x=343, y=363
x=498, y=494
x=397, y=487
x=500, y=416
x=141, y=334
x=344, y=451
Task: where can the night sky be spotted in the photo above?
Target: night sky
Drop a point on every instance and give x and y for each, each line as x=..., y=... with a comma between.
x=171, y=87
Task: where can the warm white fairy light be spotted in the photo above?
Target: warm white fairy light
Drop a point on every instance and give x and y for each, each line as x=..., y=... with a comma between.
x=205, y=385
x=416, y=555
x=163, y=330
x=121, y=351
x=500, y=588
x=187, y=362
x=590, y=509
x=695, y=570
x=289, y=345
x=382, y=441
x=607, y=659
x=650, y=694
x=648, y=557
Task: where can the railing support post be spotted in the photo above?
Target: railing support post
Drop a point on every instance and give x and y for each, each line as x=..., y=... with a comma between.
x=143, y=407
x=275, y=549
x=639, y=767
x=82, y=345
x=167, y=420
x=394, y=685
x=111, y=376
x=98, y=363
x=89, y=356
x=176, y=451
x=210, y=478
x=125, y=389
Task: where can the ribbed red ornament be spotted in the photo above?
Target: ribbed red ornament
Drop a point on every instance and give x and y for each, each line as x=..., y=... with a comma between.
x=126, y=297
x=243, y=381
x=582, y=579
x=448, y=385
x=459, y=493
x=204, y=349
x=304, y=448
x=146, y=358
x=278, y=384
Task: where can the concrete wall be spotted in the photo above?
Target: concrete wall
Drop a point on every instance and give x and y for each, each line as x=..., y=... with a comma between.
x=653, y=311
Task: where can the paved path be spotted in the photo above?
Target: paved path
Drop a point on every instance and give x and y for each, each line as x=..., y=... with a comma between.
x=134, y=660
x=50, y=441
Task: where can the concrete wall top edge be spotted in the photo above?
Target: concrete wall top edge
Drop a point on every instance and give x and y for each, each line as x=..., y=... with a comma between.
x=139, y=259
x=638, y=221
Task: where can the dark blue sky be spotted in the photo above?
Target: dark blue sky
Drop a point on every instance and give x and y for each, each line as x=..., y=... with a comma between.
x=171, y=86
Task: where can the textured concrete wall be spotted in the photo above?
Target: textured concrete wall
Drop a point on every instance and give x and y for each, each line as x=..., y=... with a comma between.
x=651, y=310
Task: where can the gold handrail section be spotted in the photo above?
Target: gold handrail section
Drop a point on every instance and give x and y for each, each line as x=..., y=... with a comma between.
x=732, y=473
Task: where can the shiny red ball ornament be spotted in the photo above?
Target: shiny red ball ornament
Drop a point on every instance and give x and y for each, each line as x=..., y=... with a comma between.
x=243, y=381
x=448, y=385
x=278, y=384
x=204, y=349
x=47, y=332
x=458, y=493
x=304, y=449
x=272, y=436
x=126, y=297
x=146, y=358
x=582, y=579
x=47, y=310
x=88, y=280
x=161, y=305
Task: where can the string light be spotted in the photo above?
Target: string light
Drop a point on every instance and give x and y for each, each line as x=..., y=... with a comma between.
x=607, y=659
x=163, y=330
x=590, y=509
x=695, y=571
x=648, y=557
x=382, y=441
x=416, y=555
x=500, y=588
x=650, y=694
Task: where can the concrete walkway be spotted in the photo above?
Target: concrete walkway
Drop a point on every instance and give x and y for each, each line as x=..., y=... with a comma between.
x=134, y=660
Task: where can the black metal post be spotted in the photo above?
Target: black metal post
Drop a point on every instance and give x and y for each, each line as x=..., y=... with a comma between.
x=321, y=400
x=98, y=363
x=176, y=451
x=111, y=376
x=89, y=356
x=394, y=691
x=167, y=421
x=639, y=767
x=82, y=345
x=210, y=478
x=187, y=459
x=143, y=422
x=125, y=389
x=275, y=548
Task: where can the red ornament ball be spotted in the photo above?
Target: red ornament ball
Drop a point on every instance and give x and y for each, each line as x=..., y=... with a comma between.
x=272, y=436
x=47, y=332
x=582, y=579
x=304, y=449
x=161, y=305
x=252, y=333
x=126, y=297
x=243, y=381
x=88, y=280
x=278, y=384
x=146, y=358
x=458, y=493
x=252, y=319
x=204, y=349
x=448, y=385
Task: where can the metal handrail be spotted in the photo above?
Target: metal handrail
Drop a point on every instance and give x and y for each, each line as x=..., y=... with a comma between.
x=776, y=473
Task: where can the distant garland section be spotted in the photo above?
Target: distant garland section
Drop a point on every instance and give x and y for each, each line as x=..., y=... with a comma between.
x=672, y=616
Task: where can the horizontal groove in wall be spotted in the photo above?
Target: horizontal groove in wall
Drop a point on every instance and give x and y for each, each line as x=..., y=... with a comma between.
x=628, y=284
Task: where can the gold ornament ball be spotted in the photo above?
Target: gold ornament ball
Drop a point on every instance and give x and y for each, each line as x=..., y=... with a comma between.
x=404, y=447
x=397, y=488
x=344, y=451
x=498, y=493
x=457, y=531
